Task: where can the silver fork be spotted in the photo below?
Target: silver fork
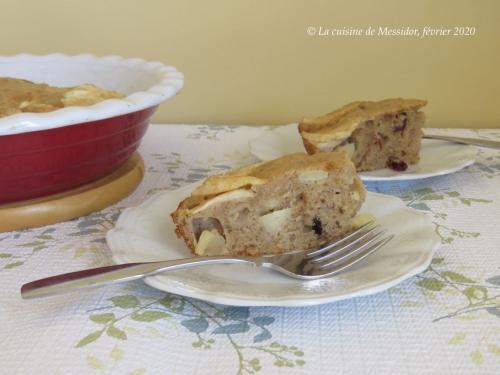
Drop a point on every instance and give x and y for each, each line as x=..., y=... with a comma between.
x=466, y=141
x=325, y=261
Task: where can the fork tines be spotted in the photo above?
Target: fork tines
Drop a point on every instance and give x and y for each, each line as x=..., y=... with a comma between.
x=340, y=254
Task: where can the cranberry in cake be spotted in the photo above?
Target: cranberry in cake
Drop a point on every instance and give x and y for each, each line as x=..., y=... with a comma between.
x=296, y=202
x=384, y=134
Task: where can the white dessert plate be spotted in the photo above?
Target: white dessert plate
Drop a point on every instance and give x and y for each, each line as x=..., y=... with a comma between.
x=436, y=157
x=146, y=233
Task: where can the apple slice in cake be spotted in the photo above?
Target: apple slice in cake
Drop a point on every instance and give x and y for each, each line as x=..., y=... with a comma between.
x=296, y=202
x=384, y=134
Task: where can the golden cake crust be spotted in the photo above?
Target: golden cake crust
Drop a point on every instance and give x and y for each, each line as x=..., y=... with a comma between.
x=19, y=95
x=261, y=173
x=340, y=124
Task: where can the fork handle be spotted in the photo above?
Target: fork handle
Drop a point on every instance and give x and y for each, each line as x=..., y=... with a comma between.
x=95, y=277
x=467, y=141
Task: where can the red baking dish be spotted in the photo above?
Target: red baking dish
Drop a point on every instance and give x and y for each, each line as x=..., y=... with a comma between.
x=51, y=161
x=48, y=153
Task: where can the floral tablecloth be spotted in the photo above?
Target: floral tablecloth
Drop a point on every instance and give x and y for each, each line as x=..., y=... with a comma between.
x=444, y=321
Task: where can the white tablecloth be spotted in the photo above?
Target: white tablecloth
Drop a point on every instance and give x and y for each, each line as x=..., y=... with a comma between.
x=444, y=321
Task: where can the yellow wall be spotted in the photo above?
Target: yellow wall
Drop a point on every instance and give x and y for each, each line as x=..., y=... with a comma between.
x=252, y=62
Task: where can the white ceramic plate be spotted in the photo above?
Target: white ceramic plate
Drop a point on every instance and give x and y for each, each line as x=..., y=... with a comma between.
x=436, y=157
x=146, y=233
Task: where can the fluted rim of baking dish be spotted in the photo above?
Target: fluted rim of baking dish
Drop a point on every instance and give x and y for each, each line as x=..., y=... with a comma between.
x=169, y=82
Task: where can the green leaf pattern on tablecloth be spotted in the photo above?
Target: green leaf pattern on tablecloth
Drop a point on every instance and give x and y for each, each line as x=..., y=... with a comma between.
x=109, y=363
x=30, y=241
x=210, y=132
x=421, y=199
x=478, y=298
x=208, y=323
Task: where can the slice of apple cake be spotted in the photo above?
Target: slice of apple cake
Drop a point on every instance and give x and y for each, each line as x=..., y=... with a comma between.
x=296, y=202
x=384, y=134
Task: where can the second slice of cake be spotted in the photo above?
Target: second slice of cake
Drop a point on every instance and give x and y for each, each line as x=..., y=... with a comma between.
x=384, y=134
x=296, y=202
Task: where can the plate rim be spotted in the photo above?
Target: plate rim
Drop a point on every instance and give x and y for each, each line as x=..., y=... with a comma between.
x=234, y=300
x=471, y=159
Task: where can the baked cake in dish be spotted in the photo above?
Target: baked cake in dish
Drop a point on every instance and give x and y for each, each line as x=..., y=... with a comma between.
x=296, y=202
x=383, y=134
x=19, y=95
